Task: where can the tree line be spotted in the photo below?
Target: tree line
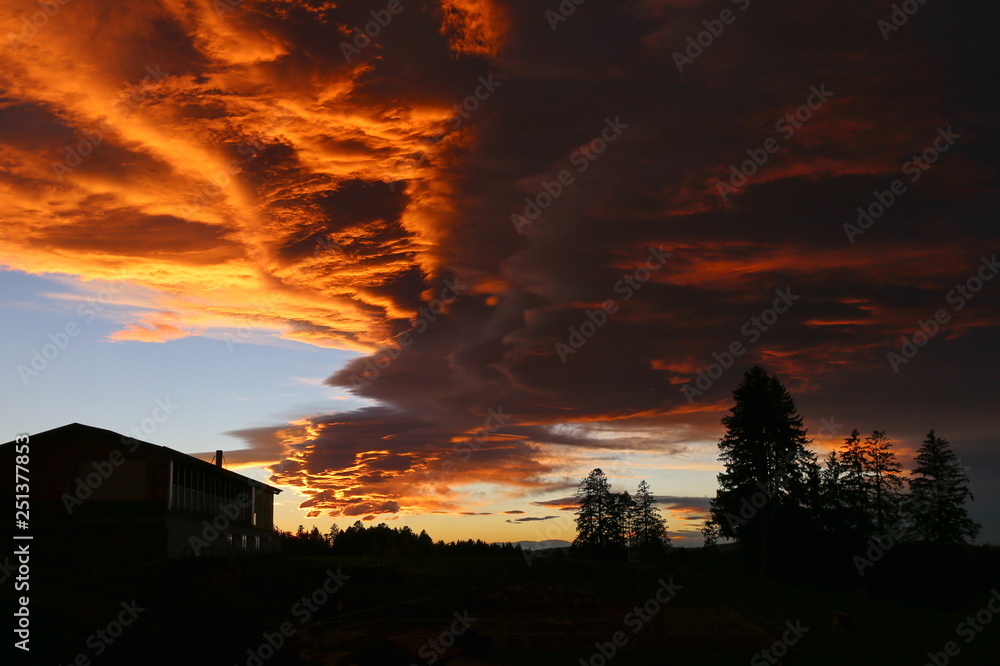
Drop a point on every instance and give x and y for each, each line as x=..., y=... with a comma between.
x=381, y=540
x=613, y=525
x=774, y=492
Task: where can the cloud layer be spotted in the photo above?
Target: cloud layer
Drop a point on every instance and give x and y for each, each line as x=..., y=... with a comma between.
x=523, y=227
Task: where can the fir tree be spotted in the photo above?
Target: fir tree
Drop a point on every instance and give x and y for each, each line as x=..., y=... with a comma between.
x=855, y=490
x=767, y=465
x=622, y=520
x=333, y=534
x=594, y=517
x=939, y=488
x=885, y=474
x=650, y=529
x=832, y=480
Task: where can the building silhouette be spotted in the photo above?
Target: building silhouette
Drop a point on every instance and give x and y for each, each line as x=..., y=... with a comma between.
x=95, y=493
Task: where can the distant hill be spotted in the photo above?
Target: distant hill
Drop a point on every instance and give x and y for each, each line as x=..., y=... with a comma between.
x=540, y=545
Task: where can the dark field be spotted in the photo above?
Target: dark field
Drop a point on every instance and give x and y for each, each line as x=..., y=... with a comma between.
x=461, y=610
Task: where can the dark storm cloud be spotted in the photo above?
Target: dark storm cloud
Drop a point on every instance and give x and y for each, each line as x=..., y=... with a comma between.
x=655, y=185
x=473, y=389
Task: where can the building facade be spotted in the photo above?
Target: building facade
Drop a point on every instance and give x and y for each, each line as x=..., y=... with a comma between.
x=103, y=492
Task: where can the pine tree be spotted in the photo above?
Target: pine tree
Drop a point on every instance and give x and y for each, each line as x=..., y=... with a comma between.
x=855, y=490
x=621, y=526
x=886, y=479
x=594, y=517
x=650, y=529
x=939, y=488
x=710, y=533
x=424, y=542
x=832, y=484
x=332, y=535
x=767, y=465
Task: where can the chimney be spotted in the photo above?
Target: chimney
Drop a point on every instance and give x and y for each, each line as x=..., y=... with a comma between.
x=218, y=458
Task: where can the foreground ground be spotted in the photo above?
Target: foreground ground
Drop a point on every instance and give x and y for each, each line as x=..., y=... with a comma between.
x=694, y=608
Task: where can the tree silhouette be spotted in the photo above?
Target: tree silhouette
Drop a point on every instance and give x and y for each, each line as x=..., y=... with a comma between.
x=886, y=479
x=832, y=478
x=608, y=524
x=650, y=530
x=333, y=534
x=424, y=542
x=593, y=520
x=622, y=520
x=939, y=488
x=835, y=505
x=855, y=491
x=767, y=466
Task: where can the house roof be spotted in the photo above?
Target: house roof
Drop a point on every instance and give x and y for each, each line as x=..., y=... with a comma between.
x=76, y=428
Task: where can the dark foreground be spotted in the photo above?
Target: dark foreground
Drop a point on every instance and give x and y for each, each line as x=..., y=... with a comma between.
x=694, y=608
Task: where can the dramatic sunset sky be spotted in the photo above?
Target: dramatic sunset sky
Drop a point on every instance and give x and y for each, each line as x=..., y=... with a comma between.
x=215, y=216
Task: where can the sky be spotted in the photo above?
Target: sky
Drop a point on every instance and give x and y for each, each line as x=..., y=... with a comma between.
x=430, y=263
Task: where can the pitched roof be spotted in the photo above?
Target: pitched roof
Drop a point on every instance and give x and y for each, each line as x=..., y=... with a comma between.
x=71, y=428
